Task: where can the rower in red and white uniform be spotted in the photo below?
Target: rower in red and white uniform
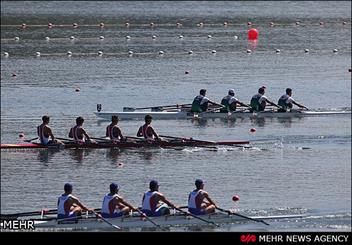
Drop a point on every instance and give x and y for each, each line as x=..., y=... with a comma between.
x=147, y=131
x=45, y=133
x=113, y=131
x=151, y=205
x=196, y=200
x=68, y=205
x=78, y=133
x=114, y=205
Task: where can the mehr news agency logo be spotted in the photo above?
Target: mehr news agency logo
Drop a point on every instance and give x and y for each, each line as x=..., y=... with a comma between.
x=16, y=225
x=295, y=238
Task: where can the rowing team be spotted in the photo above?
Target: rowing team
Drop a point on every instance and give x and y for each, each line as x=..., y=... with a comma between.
x=258, y=102
x=80, y=135
x=154, y=203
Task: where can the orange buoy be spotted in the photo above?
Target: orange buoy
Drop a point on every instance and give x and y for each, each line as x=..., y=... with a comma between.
x=252, y=130
x=253, y=34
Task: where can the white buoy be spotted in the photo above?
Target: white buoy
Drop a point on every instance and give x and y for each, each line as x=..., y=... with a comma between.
x=37, y=54
x=128, y=37
x=297, y=23
x=47, y=38
x=101, y=37
x=100, y=53
x=200, y=24
x=153, y=37
x=235, y=37
x=335, y=50
x=277, y=50
x=6, y=54
x=130, y=52
x=180, y=36
x=306, y=50
x=69, y=53
x=213, y=51
x=209, y=36
x=72, y=37
x=161, y=52
x=249, y=51
x=17, y=38
x=190, y=52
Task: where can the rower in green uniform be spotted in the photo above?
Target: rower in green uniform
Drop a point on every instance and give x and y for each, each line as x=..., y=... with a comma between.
x=230, y=102
x=200, y=102
x=259, y=101
x=286, y=102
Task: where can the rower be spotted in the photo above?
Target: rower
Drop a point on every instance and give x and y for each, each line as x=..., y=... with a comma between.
x=196, y=203
x=230, y=102
x=147, y=131
x=151, y=205
x=45, y=133
x=286, y=101
x=113, y=131
x=114, y=205
x=258, y=101
x=200, y=102
x=78, y=133
x=68, y=205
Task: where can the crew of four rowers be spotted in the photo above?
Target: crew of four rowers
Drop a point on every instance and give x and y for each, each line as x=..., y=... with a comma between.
x=154, y=203
x=80, y=135
x=258, y=102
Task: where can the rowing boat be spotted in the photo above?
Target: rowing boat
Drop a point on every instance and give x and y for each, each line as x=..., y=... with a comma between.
x=136, y=221
x=140, y=144
x=181, y=114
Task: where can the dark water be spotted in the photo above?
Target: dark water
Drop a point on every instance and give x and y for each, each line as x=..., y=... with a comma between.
x=303, y=165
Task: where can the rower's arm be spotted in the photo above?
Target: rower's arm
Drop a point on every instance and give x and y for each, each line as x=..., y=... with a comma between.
x=107, y=131
x=163, y=198
x=85, y=134
x=50, y=132
x=214, y=103
x=76, y=201
x=299, y=105
x=272, y=103
x=205, y=194
x=70, y=134
x=139, y=133
x=243, y=104
x=154, y=133
x=127, y=204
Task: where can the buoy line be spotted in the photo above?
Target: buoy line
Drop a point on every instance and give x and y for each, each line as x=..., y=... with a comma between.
x=179, y=24
x=187, y=52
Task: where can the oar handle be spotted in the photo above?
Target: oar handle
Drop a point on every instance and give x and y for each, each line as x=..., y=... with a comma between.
x=31, y=139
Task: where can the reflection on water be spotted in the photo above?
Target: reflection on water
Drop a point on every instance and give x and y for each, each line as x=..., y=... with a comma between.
x=45, y=155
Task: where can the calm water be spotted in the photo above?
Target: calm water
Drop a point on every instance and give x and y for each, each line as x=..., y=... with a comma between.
x=295, y=165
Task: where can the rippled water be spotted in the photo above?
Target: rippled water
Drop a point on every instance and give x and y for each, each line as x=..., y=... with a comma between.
x=299, y=165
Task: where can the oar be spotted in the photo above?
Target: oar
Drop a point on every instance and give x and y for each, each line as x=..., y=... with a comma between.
x=31, y=139
x=106, y=221
x=150, y=220
x=194, y=216
x=151, y=107
x=189, y=139
x=240, y=215
x=70, y=140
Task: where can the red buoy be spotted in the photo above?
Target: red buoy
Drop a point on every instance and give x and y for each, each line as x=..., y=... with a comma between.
x=235, y=198
x=253, y=34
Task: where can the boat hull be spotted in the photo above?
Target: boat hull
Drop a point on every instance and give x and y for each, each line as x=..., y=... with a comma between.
x=171, y=115
x=180, y=220
x=163, y=144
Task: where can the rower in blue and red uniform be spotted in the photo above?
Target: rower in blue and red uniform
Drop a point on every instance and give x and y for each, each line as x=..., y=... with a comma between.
x=151, y=205
x=113, y=131
x=196, y=200
x=68, y=205
x=114, y=205
x=147, y=131
x=45, y=133
x=78, y=133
